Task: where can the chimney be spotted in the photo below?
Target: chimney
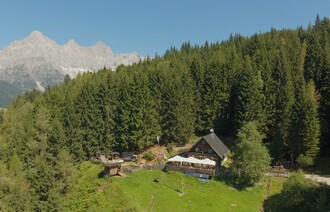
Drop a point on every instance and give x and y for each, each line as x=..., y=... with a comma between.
x=211, y=130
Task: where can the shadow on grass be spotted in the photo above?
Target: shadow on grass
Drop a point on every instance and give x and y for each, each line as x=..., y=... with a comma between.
x=275, y=203
x=102, y=174
x=166, y=185
x=300, y=199
x=161, y=181
x=322, y=165
x=230, y=181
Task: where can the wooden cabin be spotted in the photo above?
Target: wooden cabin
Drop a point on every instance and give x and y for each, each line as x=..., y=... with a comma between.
x=201, y=160
x=211, y=147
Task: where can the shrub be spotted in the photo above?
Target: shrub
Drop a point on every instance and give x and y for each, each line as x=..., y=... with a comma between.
x=170, y=148
x=149, y=156
x=295, y=189
x=304, y=161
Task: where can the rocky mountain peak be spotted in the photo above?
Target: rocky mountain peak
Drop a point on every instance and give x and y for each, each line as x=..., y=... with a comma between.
x=37, y=60
x=102, y=48
x=37, y=37
x=100, y=44
x=36, y=34
x=71, y=43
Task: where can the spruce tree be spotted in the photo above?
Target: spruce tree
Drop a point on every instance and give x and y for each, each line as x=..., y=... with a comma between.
x=197, y=75
x=91, y=121
x=284, y=99
x=123, y=112
x=249, y=97
x=137, y=124
x=314, y=60
x=251, y=158
x=145, y=114
x=215, y=96
x=306, y=125
x=177, y=106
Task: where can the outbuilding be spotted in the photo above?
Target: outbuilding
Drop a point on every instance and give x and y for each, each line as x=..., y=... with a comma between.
x=112, y=169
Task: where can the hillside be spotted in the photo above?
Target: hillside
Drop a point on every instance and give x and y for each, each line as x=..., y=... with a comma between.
x=160, y=191
x=279, y=80
x=8, y=93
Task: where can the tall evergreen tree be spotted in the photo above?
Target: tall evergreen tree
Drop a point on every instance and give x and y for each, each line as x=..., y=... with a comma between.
x=305, y=130
x=215, y=97
x=251, y=157
x=249, y=97
x=314, y=61
x=145, y=115
x=137, y=124
x=284, y=99
x=197, y=74
x=15, y=192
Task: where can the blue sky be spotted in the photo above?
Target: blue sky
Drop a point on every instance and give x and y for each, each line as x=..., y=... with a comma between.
x=150, y=26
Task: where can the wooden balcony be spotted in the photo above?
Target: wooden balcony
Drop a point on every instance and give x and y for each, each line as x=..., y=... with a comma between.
x=186, y=169
x=212, y=156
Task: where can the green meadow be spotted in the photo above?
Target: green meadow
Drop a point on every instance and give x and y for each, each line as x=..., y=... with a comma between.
x=155, y=190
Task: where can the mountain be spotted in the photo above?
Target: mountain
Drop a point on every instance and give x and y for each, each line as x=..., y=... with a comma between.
x=7, y=93
x=38, y=62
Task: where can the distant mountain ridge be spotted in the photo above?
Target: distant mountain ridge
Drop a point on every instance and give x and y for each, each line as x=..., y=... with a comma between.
x=38, y=62
x=7, y=93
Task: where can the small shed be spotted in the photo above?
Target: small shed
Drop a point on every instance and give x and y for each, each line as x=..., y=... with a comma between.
x=112, y=169
x=111, y=162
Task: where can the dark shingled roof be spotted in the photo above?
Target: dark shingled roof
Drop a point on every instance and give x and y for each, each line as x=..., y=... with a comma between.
x=217, y=145
x=114, y=164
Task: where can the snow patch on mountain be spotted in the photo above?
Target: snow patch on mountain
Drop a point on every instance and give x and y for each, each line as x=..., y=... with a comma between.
x=39, y=86
x=73, y=72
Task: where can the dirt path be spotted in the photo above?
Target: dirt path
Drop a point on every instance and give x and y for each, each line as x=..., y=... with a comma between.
x=100, y=190
x=319, y=178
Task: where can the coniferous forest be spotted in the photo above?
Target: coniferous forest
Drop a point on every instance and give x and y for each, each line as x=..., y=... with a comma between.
x=279, y=79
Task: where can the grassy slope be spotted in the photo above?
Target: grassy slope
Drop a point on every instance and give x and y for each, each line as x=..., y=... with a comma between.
x=140, y=192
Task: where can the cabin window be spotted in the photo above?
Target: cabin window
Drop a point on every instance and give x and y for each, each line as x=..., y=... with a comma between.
x=196, y=150
x=210, y=151
x=203, y=142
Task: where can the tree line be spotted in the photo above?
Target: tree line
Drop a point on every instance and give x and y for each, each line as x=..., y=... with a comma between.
x=280, y=80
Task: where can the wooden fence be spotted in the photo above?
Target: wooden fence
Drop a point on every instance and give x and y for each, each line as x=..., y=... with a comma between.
x=277, y=174
x=146, y=167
